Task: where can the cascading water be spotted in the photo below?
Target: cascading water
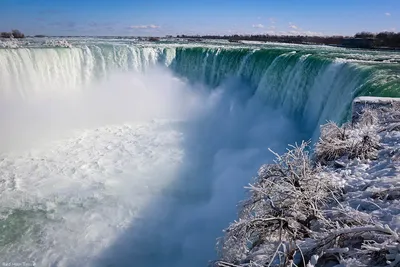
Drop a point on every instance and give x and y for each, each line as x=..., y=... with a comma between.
x=121, y=154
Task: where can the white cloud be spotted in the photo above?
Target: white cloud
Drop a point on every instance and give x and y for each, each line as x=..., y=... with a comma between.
x=311, y=33
x=292, y=26
x=272, y=27
x=302, y=33
x=272, y=20
x=151, y=26
x=258, y=26
x=388, y=14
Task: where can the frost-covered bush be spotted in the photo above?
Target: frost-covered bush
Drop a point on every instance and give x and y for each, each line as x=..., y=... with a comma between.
x=285, y=205
x=350, y=141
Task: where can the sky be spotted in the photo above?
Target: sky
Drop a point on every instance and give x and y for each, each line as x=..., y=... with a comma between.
x=172, y=17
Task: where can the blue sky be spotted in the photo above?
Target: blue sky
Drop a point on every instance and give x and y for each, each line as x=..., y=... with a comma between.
x=163, y=17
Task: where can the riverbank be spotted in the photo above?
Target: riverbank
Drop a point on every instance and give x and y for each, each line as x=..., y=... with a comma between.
x=339, y=206
x=385, y=41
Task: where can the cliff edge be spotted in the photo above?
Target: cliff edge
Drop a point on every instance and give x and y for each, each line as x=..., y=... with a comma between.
x=337, y=206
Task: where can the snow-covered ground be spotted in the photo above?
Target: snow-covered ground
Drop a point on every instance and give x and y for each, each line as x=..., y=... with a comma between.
x=339, y=206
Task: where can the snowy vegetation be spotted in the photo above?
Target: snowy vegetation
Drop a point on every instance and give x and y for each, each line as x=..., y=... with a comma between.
x=9, y=43
x=16, y=43
x=339, y=206
x=57, y=43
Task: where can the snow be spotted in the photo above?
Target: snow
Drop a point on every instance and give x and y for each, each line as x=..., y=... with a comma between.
x=365, y=180
x=375, y=99
x=9, y=43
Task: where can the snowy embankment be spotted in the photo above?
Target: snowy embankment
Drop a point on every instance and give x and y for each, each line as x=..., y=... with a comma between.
x=339, y=206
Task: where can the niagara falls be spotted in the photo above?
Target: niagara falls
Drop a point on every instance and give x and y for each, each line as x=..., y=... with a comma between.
x=213, y=148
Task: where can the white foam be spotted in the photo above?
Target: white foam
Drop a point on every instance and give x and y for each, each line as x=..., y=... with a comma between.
x=90, y=188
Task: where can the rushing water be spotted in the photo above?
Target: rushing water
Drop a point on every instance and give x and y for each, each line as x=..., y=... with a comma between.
x=116, y=153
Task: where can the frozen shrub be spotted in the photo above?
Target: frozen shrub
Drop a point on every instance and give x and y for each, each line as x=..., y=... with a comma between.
x=349, y=141
x=285, y=204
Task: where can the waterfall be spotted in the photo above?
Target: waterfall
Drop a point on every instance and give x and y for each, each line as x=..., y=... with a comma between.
x=138, y=153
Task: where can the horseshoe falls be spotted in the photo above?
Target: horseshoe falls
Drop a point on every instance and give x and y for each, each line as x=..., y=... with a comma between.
x=122, y=153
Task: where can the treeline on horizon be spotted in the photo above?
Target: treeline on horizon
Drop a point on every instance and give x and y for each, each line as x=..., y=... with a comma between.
x=378, y=40
x=12, y=34
x=362, y=39
x=382, y=39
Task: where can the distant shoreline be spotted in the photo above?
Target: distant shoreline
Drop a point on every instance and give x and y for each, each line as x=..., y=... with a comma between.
x=368, y=43
x=359, y=41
